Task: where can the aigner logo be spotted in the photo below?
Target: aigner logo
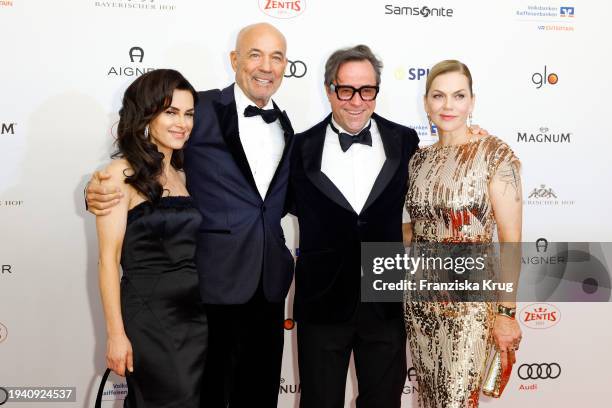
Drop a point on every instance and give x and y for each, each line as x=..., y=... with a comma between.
x=295, y=69
x=282, y=9
x=136, y=55
x=541, y=371
x=7, y=128
x=540, y=79
x=136, y=52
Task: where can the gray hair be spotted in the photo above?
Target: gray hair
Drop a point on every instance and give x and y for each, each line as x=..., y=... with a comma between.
x=357, y=53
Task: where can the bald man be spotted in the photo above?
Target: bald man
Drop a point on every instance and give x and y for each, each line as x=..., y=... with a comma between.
x=237, y=172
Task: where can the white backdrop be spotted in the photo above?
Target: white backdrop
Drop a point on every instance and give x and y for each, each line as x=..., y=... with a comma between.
x=540, y=71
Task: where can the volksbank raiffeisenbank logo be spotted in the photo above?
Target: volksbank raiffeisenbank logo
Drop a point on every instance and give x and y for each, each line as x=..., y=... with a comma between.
x=418, y=11
x=138, y=5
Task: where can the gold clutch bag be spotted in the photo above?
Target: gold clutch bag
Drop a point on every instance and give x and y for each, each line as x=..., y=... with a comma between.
x=495, y=379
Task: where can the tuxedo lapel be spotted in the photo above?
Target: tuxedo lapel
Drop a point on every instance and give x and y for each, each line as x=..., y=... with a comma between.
x=288, y=135
x=392, y=145
x=312, y=154
x=228, y=122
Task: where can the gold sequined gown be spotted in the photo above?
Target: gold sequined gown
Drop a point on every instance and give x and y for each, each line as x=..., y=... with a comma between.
x=448, y=201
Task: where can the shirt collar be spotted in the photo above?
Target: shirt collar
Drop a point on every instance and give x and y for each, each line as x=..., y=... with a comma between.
x=242, y=101
x=341, y=129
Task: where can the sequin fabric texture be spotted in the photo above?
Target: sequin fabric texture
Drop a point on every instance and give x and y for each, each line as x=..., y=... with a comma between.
x=448, y=201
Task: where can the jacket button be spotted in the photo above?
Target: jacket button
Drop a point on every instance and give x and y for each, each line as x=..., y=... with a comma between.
x=263, y=208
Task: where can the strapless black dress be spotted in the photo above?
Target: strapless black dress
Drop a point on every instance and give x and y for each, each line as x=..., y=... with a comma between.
x=160, y=302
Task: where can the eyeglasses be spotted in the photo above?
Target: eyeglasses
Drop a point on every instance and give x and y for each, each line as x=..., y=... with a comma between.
x=346, y=92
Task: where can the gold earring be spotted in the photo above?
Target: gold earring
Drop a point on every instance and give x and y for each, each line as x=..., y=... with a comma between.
x=469, y=121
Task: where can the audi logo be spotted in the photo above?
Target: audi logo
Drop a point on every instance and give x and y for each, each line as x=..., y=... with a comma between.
x=543, y=371
x=296, y=69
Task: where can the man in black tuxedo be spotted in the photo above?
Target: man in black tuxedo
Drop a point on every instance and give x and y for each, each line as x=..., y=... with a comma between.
x=348, y=182
x=237, y=169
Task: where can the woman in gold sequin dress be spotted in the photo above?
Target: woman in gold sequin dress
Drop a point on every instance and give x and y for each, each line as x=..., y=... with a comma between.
x=460, y=189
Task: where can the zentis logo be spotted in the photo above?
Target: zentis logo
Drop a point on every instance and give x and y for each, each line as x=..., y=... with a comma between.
x=540, y=315
x=282, y=9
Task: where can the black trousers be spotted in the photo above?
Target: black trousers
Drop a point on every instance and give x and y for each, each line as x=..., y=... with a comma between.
x=245, y=352
x=379, y=348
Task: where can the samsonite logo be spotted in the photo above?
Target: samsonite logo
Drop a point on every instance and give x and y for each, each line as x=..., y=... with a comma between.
x=540, y=315
x=282, y=9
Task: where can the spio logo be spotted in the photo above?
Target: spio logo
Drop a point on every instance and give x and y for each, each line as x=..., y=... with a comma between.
x=540, y=315
x=3, y=333
x=295, y=69
x=540, y=79
x=539, y=371
x=417, y=73
x=7, y=128
x=282, y=9
x=136, y=53
x=413, y=74
x=566, y=12
x=289, y=324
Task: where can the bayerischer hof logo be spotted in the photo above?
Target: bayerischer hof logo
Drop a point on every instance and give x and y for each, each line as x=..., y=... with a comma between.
x=153, y=5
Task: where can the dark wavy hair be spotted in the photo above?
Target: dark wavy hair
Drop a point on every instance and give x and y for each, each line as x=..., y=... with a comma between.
x=147, y=97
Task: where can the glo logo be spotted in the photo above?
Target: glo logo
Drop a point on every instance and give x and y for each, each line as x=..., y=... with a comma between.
x=541, y=79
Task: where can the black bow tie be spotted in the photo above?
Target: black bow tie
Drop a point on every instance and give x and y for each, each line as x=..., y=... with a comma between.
x=268, y=115
x=364, y=137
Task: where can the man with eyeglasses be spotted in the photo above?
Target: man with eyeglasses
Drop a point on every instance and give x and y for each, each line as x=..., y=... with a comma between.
x=348, y=182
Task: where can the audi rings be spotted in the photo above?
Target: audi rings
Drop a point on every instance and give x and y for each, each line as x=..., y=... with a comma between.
x=543, y=371
x=295, y=69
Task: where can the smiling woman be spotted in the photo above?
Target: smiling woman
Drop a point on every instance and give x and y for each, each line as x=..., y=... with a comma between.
x=157, y=330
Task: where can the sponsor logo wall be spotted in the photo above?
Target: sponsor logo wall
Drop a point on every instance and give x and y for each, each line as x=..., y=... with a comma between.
x=61, y=90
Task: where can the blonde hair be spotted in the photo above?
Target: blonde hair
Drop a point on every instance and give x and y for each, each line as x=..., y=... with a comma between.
x=444, y=67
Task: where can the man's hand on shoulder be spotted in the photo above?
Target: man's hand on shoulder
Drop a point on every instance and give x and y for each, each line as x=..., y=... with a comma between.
x=100, y=195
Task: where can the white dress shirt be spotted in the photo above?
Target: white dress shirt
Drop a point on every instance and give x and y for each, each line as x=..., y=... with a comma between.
x=263, y=143
x=353, y=172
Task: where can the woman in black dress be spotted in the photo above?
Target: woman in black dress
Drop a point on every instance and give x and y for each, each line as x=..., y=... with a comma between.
x=157, y=330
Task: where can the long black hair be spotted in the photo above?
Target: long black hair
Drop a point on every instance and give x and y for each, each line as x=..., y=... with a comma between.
x=143, y=100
